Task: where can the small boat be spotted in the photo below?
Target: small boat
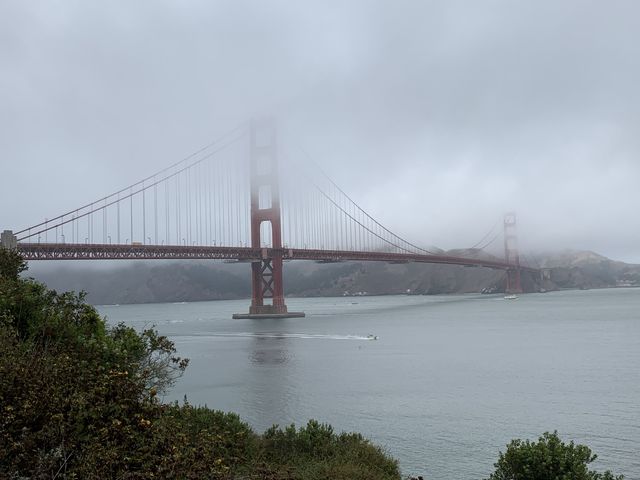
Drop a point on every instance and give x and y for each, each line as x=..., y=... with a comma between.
x=372, y=337
x=512, y=296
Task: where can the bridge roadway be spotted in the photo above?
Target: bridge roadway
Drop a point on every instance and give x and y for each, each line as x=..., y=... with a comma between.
x=69, y=251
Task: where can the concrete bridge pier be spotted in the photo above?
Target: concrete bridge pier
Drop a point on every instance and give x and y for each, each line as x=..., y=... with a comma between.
x=8, y=240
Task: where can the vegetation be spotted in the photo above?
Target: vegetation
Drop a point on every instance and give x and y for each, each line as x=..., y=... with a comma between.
x=79, y=400
x=547, y=459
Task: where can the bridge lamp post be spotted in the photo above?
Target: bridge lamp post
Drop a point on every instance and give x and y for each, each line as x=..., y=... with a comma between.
x=62, y=236
x=149, y=238
x=86, y=240
x=109, y=237
x=184, y=242
x=126, y=241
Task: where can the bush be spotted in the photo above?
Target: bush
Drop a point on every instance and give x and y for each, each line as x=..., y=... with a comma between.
x=75, y=395
x=79, y=400
x=316, y=452
x=547, y=459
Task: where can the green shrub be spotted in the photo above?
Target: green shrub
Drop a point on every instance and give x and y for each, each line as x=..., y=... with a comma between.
x=547, y=459
x=316, y=452
x=79, y=400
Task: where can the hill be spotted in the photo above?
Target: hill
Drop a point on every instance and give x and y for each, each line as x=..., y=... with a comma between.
x=146, y=282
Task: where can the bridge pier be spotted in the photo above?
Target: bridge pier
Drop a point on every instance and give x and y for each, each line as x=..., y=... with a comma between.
x=8, y=240
x=266, y=274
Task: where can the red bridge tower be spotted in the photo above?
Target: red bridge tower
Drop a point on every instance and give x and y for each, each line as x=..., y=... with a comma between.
x=511, y=255
x=266, y=274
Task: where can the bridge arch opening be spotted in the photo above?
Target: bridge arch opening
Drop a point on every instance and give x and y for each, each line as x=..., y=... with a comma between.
x=266, y=234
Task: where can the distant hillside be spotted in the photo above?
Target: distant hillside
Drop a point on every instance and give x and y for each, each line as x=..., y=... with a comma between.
x=146, y=282
x=584, y=269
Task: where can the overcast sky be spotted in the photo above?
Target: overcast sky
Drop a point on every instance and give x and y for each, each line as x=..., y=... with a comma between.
x=436, y=116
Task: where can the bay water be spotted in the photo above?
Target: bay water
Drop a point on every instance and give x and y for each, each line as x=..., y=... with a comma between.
x=448, y=382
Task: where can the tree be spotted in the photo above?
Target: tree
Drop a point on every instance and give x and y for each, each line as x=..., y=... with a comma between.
x=80, y=399
x=11, y=264
x=547, y=459
x=76, y=395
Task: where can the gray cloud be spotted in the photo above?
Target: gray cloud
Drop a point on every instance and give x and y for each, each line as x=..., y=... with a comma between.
x=436, y=116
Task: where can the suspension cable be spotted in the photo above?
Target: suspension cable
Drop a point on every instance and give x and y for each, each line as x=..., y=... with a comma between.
x=361, y=209
x=129, y=195
x=150, y=177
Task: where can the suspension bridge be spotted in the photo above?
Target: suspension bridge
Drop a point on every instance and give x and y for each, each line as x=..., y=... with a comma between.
x=241, y=198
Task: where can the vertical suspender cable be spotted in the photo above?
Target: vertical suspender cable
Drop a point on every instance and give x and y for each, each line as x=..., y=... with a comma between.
x=155, y=212
x=144, y=216
x=290, y=216
x=322, y=221
x=196, y=189
x=208, y=202
x=312, y=212
x=188, y=205
x=228, y=200
x=334, y=225
x=216, y=204
x=316, y=219
x=215, y=218
x=118, y=215
x=246, y=211
x=238, y=195
x=223, y=206
x=202, y=231
x=167, y=224
x=131, y=215
x=198, y=205
x=341, y=241
x=178, y=219
x=225, y=212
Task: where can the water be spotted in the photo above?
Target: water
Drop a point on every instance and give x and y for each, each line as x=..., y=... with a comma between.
x=449, y=382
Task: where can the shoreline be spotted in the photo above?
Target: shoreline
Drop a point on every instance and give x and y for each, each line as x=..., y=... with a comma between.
x=497, y=294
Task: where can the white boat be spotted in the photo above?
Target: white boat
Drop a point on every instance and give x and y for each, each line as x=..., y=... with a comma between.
x=513, y=296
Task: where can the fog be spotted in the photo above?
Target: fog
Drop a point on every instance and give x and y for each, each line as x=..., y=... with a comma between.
x=436, y=117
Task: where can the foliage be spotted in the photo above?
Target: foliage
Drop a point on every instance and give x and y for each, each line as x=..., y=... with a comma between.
x=547, y=459
x=316, y=452
x=69, y=385
x=79, y=400
x=11, y=264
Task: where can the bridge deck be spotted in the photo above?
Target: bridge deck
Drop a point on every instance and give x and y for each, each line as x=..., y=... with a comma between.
x=58, y=251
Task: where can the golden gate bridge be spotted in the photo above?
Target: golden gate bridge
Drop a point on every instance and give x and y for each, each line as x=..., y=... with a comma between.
x=243, y=199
